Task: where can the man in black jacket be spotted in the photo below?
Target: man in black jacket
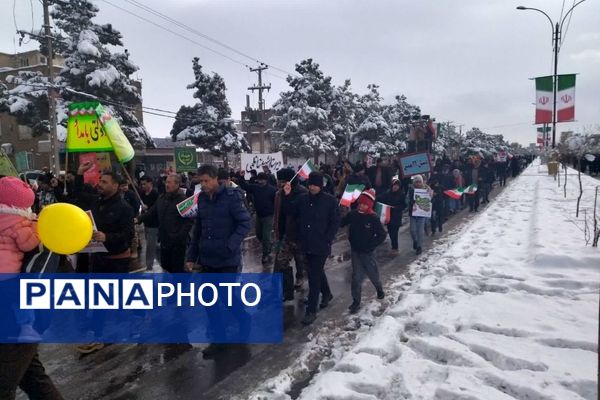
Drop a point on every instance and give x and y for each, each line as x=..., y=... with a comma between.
x=114, y=221
x=366, y=233
x=263, y=196
x=173, y=229
x=149, y=196
x=318, y=219
x=286, y=234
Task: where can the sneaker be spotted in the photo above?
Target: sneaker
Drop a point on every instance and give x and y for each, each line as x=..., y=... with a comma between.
x=309, y=318
x=394, y=251
x=90, y=347
x=354, y=307
x=380, y=294
x=325, y=301
x=419, y=250
x=299, y=283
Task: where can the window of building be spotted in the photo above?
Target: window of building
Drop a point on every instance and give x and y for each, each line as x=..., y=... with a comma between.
x=43, y=60
x=25, y=132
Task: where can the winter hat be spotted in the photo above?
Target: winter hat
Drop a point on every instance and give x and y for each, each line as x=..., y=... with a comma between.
x=417, y=178
x=262, y=177
x=285, y=174
x=15, y=193
x=368, y=198
x=315, y=179
x=395, y=181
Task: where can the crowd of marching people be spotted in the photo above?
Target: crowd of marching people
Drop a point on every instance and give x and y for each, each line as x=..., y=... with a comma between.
x=295, y=214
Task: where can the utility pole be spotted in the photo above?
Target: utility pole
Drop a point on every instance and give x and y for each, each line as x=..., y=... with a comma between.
x=54, y=155
x=261, y=111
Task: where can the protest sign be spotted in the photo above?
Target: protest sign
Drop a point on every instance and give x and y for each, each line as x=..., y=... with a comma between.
x=93, y=246
x=92, y=175
x=256, y=161
x=422, y=205
x=413, y=164
x=84, y=131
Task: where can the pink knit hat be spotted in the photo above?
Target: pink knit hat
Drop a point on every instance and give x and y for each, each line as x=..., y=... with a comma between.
x=15, y=193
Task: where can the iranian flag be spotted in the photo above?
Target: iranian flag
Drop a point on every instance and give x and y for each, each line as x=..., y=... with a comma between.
x=543, y=100
x=455, y=193
x=565, y=98
x=306, y=169
x=384, y=212
x=351, y=193
x=189, y=207
x=471, y=189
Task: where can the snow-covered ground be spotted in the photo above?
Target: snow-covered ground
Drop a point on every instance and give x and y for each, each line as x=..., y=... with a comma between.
x=506, y=307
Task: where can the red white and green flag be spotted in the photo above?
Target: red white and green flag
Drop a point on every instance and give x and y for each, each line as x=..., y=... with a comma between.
x=565, y=98
x=471, y=189
x=306, y=169
x=543, y=100
x=351, y=193
x=384, y=212
x=455, y=193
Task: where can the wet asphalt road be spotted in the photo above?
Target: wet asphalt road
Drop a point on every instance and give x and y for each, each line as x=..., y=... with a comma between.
x=180, y=372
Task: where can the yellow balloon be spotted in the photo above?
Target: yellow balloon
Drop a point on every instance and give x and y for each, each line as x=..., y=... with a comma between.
x=64, y=228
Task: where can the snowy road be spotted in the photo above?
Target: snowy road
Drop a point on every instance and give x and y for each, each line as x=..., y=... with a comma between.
x=506, y=307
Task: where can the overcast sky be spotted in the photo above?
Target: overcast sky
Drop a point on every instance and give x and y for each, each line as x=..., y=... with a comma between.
x=466, y=61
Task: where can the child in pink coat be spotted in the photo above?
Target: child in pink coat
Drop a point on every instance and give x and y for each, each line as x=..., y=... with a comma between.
x=17, y=235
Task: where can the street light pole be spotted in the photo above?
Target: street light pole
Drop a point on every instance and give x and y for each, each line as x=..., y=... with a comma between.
x=556, y=34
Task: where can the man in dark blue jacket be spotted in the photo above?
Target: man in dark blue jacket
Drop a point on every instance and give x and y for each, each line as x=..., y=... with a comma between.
x=221, y=225
x=318, y=219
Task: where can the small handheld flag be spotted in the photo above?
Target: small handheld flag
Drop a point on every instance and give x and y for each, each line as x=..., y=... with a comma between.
x=351, y=193
x=384, y=212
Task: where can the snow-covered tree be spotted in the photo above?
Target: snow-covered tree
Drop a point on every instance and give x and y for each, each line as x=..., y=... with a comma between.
x=374, y=136
x=394, y=114
x=94, y=68
x=208, y=123
x=303, y=113
x=344, y=109
x=480, y=143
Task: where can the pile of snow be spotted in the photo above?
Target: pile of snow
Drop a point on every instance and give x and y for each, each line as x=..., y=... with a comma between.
x=505, y=308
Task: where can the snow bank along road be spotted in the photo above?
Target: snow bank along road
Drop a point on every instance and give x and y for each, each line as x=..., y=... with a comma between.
x=506, y=307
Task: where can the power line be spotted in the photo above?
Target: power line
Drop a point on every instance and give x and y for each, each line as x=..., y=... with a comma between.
x=176, y=33
x=207, y=37
x=562, y=39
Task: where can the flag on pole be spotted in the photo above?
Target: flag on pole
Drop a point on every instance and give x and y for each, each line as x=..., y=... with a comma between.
x=455, y=193
x=306, y=169
x=565, y=98
x=189, y=207
x=384, y=212
x=351, y=193
x=471, y=189
x=543, y=100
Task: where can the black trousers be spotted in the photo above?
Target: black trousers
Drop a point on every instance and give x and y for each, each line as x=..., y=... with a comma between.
x=473, y=200
x=21, y=367
x=317, y=281
x=172, y=258
x=393, y=232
